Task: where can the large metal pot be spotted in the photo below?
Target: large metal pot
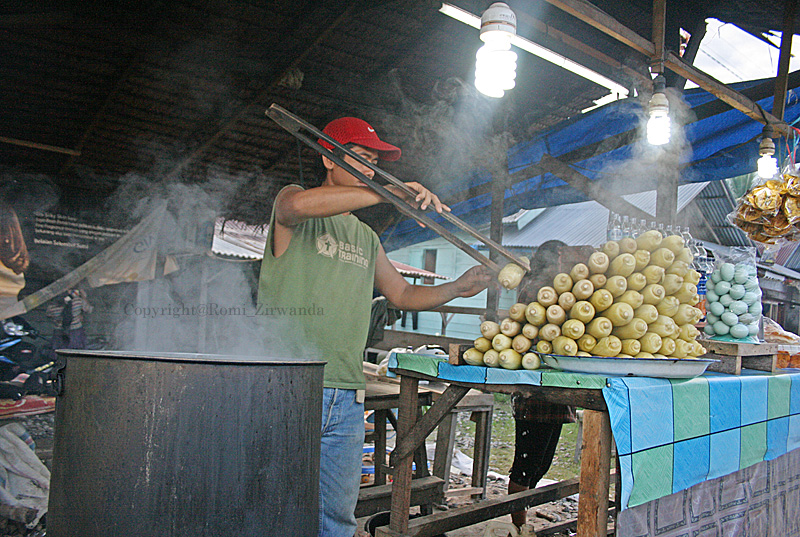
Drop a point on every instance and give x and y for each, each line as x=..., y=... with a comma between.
x=185, y=445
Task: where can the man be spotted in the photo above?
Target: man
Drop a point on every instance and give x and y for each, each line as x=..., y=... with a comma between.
x=538, y=424
x=319, y=253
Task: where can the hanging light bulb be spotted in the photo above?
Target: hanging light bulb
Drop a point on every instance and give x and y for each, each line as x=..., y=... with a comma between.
x=496, y=63
x=658, y=126
x=767, y=165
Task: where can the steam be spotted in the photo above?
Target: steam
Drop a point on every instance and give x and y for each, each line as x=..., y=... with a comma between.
x=649, y=165
x=201, y=304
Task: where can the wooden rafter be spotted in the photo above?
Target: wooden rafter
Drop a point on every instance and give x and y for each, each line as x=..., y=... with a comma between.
x=781, y=82
x=640, y=78
x=596, y=18
x=37, y=145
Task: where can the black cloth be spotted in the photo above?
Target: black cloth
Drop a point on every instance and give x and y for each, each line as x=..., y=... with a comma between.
x=536, y=444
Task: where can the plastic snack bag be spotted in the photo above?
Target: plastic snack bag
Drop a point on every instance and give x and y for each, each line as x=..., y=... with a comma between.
x=733, y=298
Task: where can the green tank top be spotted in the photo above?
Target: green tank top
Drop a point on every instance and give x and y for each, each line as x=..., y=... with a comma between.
x=316, y=297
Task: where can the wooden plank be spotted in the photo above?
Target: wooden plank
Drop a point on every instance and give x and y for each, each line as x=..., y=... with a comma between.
x=401, y=495
x=768, y=363
x=37, y=145
x=425, y=490
x=483, y=441
x=782, y=80
x=456, y=354
x=591, y=188
x=732, y=348
x=607, y=24
x=445, y=440
x=380, y=446
x=732, y=97
x=659, y=34
x=731, y=365
x=594, y=477
x=460, y=517
x=408, y=441
x=640, y=78
x=569, y=525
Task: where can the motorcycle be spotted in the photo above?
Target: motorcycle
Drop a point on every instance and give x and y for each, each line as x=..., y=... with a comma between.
x=26, y=360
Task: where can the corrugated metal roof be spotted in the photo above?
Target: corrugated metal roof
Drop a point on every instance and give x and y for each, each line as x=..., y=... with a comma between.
x=715, y=202
x=585, y=223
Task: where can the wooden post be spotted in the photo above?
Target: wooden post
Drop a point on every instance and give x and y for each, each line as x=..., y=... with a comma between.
x=401, y=486
x=782, y=81
x=499, y=180
x=380, y=446
x=595, y=474
x=659, y=30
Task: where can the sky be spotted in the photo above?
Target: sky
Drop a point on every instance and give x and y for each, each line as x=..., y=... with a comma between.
x=732, y=55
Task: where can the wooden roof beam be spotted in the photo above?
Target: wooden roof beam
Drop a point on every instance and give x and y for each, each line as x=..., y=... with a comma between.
x=596, y=18
x=37, y=145
x=781, y=82
x=640, y=78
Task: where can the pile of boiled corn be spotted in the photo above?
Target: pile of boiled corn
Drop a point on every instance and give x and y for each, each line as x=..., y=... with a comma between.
x=634, y=298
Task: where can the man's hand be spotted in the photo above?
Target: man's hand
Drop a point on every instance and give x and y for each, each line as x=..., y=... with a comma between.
x=473, y=281
x=423, y=199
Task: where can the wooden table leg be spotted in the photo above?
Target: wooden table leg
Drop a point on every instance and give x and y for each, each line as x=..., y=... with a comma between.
x=595, y=471
x=401, y=486
x=483, y=442
x=445, y=440
x=380, y=446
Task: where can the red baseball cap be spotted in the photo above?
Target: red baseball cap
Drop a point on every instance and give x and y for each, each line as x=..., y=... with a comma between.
x=347, y=130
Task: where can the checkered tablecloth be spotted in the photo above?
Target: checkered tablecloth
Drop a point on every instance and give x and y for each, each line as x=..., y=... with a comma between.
x=670, y=433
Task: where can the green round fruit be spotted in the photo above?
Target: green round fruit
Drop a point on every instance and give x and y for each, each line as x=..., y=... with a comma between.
x=727, y=271
x=726, y=300
x=737, y=291
x=740, y=275
x=716, y=308
x=722, y=288
x=756, y=308
x=715, y=277
x=729, y=318
x=709, y=330
x=711, y=296
x=738, y=307
x=750, y=298
x=751, y=284
x=747, y=318
x=752, y=328
x=739, y=331
x=711, y=318
x=721, y=328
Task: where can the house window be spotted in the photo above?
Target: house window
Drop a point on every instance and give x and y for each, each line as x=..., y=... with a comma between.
x=430, y=265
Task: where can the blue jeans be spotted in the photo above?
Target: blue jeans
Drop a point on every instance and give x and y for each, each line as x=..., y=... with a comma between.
x=340, y=462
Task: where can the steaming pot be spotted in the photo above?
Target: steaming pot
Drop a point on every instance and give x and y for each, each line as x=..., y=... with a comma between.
x=185, y=445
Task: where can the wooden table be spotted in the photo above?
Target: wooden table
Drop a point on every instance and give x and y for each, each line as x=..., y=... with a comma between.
x=383, y=395
x=593, y=484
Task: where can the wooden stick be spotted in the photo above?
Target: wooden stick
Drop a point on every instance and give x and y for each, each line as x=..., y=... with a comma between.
x=37, y=145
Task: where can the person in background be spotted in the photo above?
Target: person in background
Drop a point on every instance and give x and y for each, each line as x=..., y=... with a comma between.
x=538, y=424
x=318, y=252
x=14, y=258
x=67, y=313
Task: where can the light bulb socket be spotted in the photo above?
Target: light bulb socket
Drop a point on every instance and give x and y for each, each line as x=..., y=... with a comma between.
x=766, y=147
x=659, y=105
x=498, y=19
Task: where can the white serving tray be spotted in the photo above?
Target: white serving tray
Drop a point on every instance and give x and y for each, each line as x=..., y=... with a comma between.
x=630, y=367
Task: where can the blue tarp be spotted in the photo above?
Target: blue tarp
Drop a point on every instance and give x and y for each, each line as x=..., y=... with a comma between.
x=720, y=146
